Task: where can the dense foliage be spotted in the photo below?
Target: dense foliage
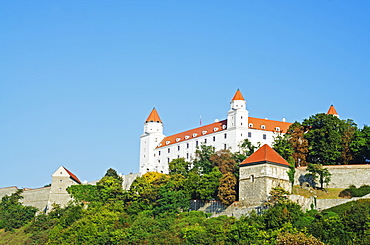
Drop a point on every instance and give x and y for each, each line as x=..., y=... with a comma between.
x=324, y=139
x=12, y=213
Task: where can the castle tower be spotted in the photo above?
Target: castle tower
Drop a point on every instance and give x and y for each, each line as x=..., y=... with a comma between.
x=237, y=120
x=153, y=135
x=332, y=111
x=61, y=179
x=259, y=173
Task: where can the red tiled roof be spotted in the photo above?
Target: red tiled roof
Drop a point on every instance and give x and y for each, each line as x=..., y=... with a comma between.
x=269, y=125
x=265, y=154
x=238, y=96
x=193, y=133
x=332, y=111
x=153, y=117
x=74, y=177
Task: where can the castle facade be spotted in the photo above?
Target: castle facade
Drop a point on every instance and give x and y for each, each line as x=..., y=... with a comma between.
x=158, y=150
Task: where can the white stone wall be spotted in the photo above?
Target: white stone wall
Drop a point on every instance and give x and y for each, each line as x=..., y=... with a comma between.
x=342, y=175
x=37, y=198
x=7, y=191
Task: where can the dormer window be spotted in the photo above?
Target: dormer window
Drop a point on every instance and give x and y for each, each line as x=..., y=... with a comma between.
x=187, y=137
x=224, y=126
x=263, y=127
x=178, y=139
x=167, y=142
x=250, y=125
x=204, y=132
x=277, y=129
x=195, y=135
x=215, y=129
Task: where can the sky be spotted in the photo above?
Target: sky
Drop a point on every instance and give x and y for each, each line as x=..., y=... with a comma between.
x=79, y=78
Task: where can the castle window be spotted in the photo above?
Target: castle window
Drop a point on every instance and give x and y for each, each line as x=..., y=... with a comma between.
x=277, y=129
x=178, y=147
x=224, y=146
x=178, y=156
x=225, y=136
x=251, y=125
x=263, y=127
x=187, y=155
x=205, y=141
x=215, y=129
x=61, y=180
x=167, y=142
x=60, y=189
x=161, y=172
x=249, y=134
x=187, y=145
x=224, y=126
x=178, y=139
x=144, y=156
x=159, y=153
x=154, y=154
x=196, y=143
x=156, y=139
x=264, y=136
x=187, y=137
x=61, y=172
x=252, y=178
x=168, y=160
x=204, y=132
x=214, y=138
x=241, y=117
x=195, y=135
x=147, y=169
x=169, y=150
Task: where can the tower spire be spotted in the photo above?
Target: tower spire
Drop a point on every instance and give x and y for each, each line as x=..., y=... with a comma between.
x=153, y=117
x=238, y=96
x=332, y=111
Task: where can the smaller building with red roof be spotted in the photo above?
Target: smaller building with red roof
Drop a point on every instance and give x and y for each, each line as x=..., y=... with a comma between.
x=259, y=173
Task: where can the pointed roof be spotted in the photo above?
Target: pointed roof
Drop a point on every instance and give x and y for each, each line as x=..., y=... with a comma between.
x=332, y=111
x=153, y=117
x=74, y=177
x=238, y=96
x=265, y=154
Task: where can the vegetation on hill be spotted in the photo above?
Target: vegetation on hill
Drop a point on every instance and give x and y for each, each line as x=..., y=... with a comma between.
x=324, y=139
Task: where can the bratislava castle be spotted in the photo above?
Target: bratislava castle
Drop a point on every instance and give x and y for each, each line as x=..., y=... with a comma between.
x=157, y=150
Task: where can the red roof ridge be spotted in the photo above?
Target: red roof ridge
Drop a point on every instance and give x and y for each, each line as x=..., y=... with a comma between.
x=153, y=117
x=265, y=154
x=332, y=111
x=74, y=177
x=238, y=96
x=193, y=133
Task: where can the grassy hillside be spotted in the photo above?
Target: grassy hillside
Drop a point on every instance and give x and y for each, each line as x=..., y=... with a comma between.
x=329, y=193
x=18, y=236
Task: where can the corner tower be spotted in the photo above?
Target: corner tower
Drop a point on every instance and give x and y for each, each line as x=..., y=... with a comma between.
x=259, y=173
x=237, y=120
x=149, y=140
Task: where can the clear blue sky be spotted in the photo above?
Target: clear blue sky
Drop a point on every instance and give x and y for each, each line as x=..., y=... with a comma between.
x=78, y=78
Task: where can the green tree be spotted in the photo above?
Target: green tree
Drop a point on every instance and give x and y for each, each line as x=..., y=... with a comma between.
x=317, y=171
x=179, y=166
x=84, y=193
x=12, y=213
x=202, y=164
x=208, y=185
x=247, y=148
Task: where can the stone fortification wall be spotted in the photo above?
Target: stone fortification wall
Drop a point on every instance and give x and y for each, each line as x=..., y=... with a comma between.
x=128, y=179
x=7, y=191
x=37, y=198
x=342, y=176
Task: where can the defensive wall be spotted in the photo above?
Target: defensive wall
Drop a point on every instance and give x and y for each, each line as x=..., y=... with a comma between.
x=43, y=198
x=342, y=176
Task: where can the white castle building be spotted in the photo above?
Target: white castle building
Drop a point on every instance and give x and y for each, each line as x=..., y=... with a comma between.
x=157, y=150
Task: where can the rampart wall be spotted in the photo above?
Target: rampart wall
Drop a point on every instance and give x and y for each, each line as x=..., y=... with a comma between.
x=37, y=198
x=342, y=176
